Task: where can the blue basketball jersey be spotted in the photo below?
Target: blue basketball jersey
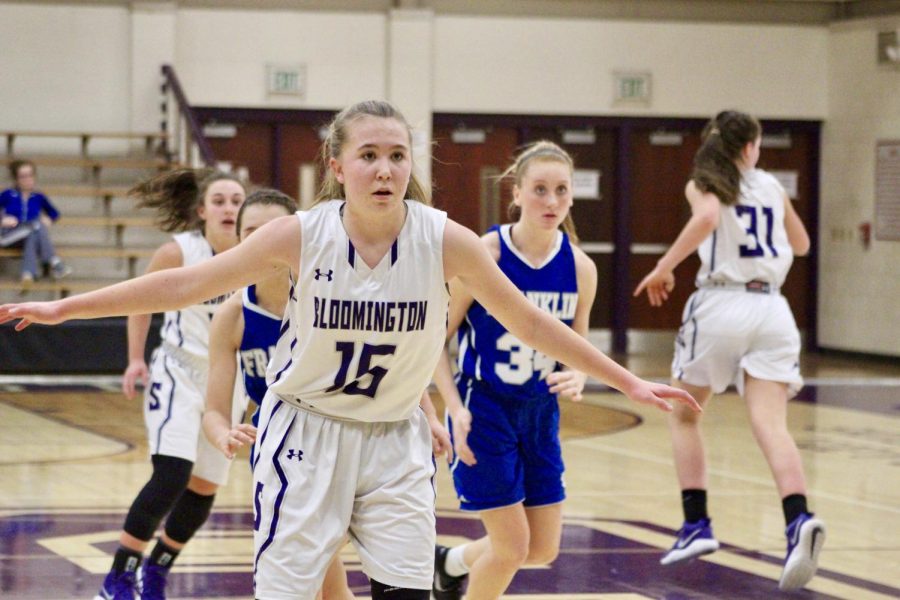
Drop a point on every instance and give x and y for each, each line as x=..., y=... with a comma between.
x=488, y=352
x=261, y=329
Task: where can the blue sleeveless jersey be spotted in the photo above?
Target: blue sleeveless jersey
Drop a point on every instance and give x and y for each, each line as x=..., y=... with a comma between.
x=488, y=353
x=261, y=329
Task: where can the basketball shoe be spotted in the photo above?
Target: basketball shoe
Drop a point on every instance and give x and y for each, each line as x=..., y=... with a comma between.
x=446, y=587
x=694, y=539
x=805, y=537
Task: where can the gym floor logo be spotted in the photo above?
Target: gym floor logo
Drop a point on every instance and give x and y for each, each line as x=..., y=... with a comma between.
x=65, y=553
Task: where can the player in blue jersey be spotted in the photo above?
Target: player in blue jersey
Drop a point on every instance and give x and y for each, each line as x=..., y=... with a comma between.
x=343, y=443
x=738, y=329
x=503, y=406
x=248, y=325
x=201, y=207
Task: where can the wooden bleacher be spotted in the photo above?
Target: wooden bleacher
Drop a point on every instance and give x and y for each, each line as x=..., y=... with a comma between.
x=62, y=288
x=95, y=233
x=131, y=255
x=152, y=139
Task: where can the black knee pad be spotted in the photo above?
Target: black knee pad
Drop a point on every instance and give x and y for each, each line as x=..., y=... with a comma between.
x=188, y=515
x=389, y=592
x=167, y=483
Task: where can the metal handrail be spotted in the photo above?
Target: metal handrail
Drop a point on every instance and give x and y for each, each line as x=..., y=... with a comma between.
x=193, y=132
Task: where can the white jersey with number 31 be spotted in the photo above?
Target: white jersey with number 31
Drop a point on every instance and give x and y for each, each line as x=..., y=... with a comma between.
x=361, y=343
x=750, y=243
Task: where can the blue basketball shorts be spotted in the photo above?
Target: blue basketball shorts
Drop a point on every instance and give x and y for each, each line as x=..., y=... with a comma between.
x=516, y=444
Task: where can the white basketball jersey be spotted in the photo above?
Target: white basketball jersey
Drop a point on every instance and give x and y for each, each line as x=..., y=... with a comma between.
x=750, y=243
x=359, y=343
x=188, y=328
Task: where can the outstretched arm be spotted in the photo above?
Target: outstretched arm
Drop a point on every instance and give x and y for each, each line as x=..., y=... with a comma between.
x=224, y=341
x=460, y=301
x=569, y=383
x=257, y=258
x=705, y=208
x=440, y=438
x=167, y=256
x=466, y=258
x=798, y=238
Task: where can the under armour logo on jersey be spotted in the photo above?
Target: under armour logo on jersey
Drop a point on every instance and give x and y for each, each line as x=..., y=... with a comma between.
x=298, y=454
x=329, y=274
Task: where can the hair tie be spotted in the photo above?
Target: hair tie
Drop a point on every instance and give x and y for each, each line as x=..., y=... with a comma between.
x=714, y=131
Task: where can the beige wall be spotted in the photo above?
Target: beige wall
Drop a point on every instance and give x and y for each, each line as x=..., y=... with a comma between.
x=222, y=54
x=859, y=300
x=94, y=67
x=64, y=67
x=557, y=66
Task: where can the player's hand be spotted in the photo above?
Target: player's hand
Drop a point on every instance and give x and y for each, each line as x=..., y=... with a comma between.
x=240, y=435
x=655, y=394
x=45, y=313
x=8, y=221
x=440, y=438
x=567, y=383
x=659, y=284
x=136, y=371
x=462, y=425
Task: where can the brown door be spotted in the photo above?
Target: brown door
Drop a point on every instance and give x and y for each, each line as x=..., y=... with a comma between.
x=298, y=146
x=249, y=148
x=466, y=173
x=660, y=166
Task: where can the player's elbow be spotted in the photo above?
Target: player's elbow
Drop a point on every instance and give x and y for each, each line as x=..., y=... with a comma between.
x=800, y=244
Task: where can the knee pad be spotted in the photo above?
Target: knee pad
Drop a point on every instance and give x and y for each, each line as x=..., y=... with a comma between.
x=188, y=515
x=167, y=483
x=389, y=592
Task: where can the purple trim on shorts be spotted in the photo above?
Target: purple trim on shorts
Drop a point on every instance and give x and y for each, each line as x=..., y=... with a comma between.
x=278, y=499
x=265, y=432
x=694, y=338
x=169, y=408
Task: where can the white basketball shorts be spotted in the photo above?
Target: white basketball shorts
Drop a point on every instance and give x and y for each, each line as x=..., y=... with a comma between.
x=725, y=333
x=317, y=479
x=173, y=411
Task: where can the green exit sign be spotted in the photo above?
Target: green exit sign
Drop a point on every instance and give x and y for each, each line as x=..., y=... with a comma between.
x=632, y=87
x=286, y=80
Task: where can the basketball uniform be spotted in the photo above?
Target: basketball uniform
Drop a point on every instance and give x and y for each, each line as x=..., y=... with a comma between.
x=515, y=418
x=737, y=320
x=257, y=345
x=343, y=446
x=175, y=398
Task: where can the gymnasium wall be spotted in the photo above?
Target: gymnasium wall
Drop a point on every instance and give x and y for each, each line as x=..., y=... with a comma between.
x=64, y=67
x=530, y=65
x=859, y=288
x=94, y=67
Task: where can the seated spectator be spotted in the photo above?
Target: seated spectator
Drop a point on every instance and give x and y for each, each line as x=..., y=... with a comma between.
x=25, y=219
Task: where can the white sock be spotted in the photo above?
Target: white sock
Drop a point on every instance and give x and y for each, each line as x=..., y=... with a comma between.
x=455, y=565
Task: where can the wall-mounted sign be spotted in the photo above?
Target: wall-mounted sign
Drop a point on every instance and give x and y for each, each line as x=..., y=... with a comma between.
x=468, y=136
x=788, y=180
x=579, y=136
x=286, y=80
x=632, y=87
x=887, y=190
x=586, y=184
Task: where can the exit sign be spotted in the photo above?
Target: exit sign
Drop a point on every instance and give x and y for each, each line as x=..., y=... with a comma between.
x=632, y=87
x=286, y=80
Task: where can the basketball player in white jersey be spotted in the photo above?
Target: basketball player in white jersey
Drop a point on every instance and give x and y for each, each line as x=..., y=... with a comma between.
x=343, y=447
x=247, y=325
x=738, y=329
x=202, y=208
